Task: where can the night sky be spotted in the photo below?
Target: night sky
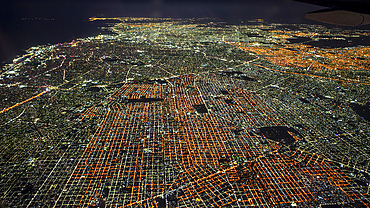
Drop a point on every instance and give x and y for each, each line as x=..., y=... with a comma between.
x=69, y=16
x=276, y=9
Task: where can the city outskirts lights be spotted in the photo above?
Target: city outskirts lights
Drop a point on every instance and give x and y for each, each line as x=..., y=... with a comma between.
x=92, y=19
x=38, y=18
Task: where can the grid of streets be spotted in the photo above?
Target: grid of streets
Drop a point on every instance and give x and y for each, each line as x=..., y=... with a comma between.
x=183, y=113
x=143, y=155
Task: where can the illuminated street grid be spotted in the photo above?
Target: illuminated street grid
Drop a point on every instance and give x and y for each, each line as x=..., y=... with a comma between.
x=173, y=113
x=152, y=154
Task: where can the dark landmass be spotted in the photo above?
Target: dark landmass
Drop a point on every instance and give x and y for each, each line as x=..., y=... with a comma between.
x=361, y=110
x=201, y=108
x=279, y=134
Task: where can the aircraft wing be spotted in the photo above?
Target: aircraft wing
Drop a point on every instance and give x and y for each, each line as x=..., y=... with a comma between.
x=341, y=12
